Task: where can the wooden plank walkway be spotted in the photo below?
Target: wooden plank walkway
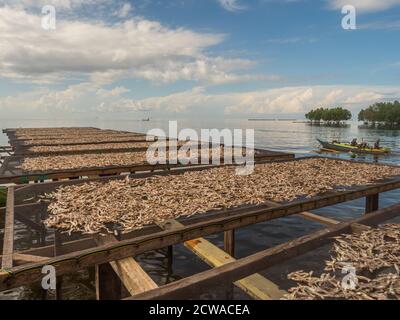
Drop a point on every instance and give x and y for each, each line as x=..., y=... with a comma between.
x=257, y=286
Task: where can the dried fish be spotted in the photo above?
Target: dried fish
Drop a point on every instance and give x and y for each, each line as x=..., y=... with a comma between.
x=87, y=147
x=87, y=160
x=374, y=254
x=90, y=139
x=101, y=135
x=133, y=203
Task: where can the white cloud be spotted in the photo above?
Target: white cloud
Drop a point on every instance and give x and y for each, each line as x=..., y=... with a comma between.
x=293, y=40
x=381, y=25
x=365, y=96
x=113, y=92
x=134, y=48
x=365, y=5
x=231, y=5
x=275, y=101
x=91, y=97
x=59, y=4
x=124, y=11
x=82, y=97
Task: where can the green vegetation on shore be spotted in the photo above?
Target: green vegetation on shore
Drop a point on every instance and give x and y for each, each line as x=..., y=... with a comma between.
x=330, y=116
x=382, y=114
x=3, y=197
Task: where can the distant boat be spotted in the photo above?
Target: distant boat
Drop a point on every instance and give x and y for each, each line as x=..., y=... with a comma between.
x=346, y=147
x=146, y=120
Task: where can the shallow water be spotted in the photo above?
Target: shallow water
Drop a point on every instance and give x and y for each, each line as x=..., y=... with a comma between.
x=298, y=138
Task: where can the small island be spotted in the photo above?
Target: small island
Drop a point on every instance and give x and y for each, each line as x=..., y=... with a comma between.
x=382, y=115
x=334, y=117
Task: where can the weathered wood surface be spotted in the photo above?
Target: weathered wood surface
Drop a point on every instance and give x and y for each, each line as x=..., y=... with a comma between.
x=309, y=215
x=8, y=242
x=229, y=242
x=372, y=203
x=20, y=258
x=78, y=260
x=132, y=275
x=107, y=283
x=318, y=218
x=255, y=285
x=239, y=269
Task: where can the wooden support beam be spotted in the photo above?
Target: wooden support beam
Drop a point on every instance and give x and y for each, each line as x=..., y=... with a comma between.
x=229, y=242
x=202, y=282
x=320, y=219
x=170, y=259
x=20, y=258
x=8, y=242
x=372, y=203
x=129, y=271
x=254, y=285
x=29, y=223
x=58, y=250
x=220, y=222
x=309, y=215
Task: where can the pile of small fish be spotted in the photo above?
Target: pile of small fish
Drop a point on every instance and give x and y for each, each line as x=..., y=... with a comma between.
x=55, y=131
x=133, y=203
x=91, y=139
x=88, y=147
x=81, y=161
x=65, y=135
x=374, y=257
x=87, y=160
x=99, y=135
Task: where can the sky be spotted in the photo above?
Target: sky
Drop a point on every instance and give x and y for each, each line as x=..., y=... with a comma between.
x=195, y=58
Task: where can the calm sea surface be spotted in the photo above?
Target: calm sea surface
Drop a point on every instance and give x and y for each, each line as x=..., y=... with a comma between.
x=298, y=138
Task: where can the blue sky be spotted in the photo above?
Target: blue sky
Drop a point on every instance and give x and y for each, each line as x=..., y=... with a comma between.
x=196, y=57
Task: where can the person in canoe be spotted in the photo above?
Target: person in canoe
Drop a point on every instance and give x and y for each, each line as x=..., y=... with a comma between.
x=354, y=146
x=364, y=145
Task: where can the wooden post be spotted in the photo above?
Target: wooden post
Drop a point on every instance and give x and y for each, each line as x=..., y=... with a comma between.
x=8, y=242
x=57, y=252
x=229, y=242
x=170, y=257
x=255, y=285
x=108, y=284
x=41, y=217
x=123, y=276
x=372, y=203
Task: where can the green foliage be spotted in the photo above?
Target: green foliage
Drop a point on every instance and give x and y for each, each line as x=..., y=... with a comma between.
x=3, y=197
x=335, y=115
x=386, y=113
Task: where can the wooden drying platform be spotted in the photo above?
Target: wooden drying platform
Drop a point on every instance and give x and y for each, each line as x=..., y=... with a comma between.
x=15, y=139
x=112, y=257
x=10, y=173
